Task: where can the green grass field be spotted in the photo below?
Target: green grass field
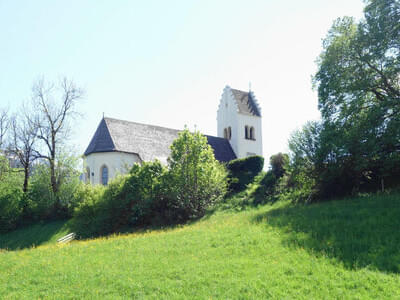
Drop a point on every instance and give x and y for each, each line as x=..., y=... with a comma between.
x=340, y=249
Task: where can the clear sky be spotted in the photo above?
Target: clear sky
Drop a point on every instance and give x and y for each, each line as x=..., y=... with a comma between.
x=167, y=62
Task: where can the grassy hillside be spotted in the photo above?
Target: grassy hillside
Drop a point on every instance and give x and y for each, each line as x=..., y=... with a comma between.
x=342, y=249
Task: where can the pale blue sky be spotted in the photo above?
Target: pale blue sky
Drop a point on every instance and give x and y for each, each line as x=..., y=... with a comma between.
x=167, y=62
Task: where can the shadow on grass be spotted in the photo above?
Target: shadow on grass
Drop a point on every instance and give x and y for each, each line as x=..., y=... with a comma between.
x=33, y=235
x=361, y=232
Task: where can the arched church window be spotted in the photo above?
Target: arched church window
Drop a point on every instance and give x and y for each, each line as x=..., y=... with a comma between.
x=246, y=132
x=252, y=134
x=225, y=133
x=87, y=175
x=229, y=132
x=104, y=175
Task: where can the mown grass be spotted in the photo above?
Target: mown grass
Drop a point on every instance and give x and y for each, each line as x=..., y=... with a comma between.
x=278, y=251
x=34, y=235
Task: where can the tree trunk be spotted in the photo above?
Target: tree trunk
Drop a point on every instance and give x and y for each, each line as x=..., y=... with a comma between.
x=26, y=178
x=53, y=177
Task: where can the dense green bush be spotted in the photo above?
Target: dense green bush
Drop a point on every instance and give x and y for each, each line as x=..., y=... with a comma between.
x=11, y=196
x=279, y=164
x=42, y=202
x=153, y=194
x=243, y=170
x=195, y=179
x=89, y=215
x=41, y=197
x=126, y=201
x=266, y=188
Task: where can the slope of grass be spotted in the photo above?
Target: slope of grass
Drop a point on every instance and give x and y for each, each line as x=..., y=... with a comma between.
x=34, y=235
x=363, y=232
x=279, y=251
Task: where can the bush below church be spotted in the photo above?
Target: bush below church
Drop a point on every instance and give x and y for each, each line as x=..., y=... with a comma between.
x=242, y=171
x=152, y=194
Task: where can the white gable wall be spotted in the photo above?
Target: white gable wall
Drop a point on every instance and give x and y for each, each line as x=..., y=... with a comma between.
x=116, y=162
x=228, y=115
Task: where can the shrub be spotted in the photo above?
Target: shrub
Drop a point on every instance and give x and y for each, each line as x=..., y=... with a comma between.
x=279, y=164
x=11, y=197
x=41, y=197
x=126, y=201
x=42, y=202
x=87, y=218
x=195, y=179
x=243, y=170
x=143, y=189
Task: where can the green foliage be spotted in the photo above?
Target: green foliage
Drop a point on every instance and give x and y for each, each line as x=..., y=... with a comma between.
x=11, y=196
x=195, y=179
x=243, y=170
x=42, y=202
x=40, y=195
x=88, y=216
x=10, y=205
x=144, y=189
x=129, y=200
x=152, y=194
x=279, y=164
x=356, y=146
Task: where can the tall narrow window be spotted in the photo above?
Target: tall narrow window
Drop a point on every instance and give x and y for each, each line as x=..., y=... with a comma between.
x=246, y=132
x=229, y=132
x=252, y=134
x=104, y=175
x=225, y=133
x=87, y=175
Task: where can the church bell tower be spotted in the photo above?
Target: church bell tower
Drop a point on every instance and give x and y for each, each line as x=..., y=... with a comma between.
x=239, y=121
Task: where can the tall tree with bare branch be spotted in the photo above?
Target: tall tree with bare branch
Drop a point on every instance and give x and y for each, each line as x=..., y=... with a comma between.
x=22, y=142
x=4, y=125
x=55, y=104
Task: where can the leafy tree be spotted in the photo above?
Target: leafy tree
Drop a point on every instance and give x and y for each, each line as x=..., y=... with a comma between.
x=358, y=82
x=53, y=120
x=279, y=164
x=195, y=180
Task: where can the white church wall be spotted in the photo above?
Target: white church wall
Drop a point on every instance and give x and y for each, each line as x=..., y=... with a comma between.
x=116, y=162
x=227, y=116
x=247, y=147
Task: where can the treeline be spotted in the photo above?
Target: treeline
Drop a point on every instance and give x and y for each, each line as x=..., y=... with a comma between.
x=150, y=194
x=38, y=175
x=356, y=145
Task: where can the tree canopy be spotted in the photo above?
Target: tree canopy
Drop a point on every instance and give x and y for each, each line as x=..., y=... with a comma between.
x=357, y=142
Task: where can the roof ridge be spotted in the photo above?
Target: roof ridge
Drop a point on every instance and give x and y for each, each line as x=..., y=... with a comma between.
x=143, y=124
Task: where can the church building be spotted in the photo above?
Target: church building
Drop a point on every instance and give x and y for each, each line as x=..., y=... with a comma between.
x=117, y=144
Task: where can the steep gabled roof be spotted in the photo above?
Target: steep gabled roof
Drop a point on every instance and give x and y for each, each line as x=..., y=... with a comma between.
x=148, y=141
x=101, y=141
x=246, y=103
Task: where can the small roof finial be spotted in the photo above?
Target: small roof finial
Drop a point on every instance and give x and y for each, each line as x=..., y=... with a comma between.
x=249, y=86
x=103, y=114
